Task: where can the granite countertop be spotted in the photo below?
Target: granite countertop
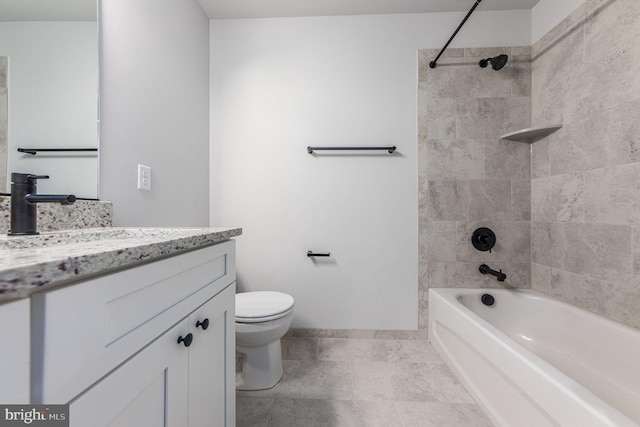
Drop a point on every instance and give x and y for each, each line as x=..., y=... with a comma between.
x=31, y=263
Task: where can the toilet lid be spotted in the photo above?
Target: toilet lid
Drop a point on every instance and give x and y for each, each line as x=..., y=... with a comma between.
x=257, y=305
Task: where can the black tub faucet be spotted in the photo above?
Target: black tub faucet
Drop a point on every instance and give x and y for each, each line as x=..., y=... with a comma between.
x=485, y=269
x=24, y=197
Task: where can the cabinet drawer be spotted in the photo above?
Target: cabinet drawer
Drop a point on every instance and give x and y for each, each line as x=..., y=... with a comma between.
x=93, y=326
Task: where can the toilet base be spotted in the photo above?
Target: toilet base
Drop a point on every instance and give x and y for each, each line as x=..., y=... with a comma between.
x=261, y=366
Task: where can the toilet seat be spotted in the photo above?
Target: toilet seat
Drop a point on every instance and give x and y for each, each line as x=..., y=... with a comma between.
x=262, y=306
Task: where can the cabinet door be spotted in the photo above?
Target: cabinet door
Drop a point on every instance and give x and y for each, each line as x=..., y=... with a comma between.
x=14, y=352
x=149, y=390
x=212, y=363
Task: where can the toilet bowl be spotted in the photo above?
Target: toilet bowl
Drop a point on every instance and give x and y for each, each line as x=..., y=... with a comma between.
x=262, y=318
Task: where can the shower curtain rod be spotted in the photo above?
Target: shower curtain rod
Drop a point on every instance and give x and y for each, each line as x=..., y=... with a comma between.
x=432, y=64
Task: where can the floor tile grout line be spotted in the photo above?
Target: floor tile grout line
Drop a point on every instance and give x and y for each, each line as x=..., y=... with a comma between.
x=353, y=381
x=352, y=357
x=269, y=414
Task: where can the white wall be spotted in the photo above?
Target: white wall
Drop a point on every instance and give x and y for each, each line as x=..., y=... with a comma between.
x=549, y=13
x=279, y=85
x=154, y=111
x=53, y=102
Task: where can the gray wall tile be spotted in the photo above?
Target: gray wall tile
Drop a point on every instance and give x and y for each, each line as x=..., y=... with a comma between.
x=3, y=71
x=506, y=159
x=618, y=302
x=542, y=208
x=423, y=119
x=441, y=118
x=469, y=200
x=521, y=51
x=636, y=256
x=521, y=200
x=520, y=67
x=489, y=200
x=468, y=159
x=488, y=118
x=442, y=241
x=602, y=251
x=438, y=274
x=550, y=79
x=455, y=275
x=613, y=194
x=486, y=52
x=622, y=134
x=447, y=200
x=540, y=278
x=558, y=198
x=540, y=166
x=437, y=162
x=578, y=147
x=423, y=64
x=458, y=159
x=542, y=244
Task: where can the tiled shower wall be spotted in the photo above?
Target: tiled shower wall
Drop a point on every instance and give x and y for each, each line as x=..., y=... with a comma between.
x=586, y=176
x=4, y=123
x=468, y=176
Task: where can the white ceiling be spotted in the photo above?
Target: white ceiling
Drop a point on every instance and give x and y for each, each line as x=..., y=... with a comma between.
x=85, y=10
x=48, y=10
x=232, y=9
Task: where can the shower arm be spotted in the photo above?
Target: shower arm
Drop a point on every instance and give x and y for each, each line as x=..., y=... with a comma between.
x=432, y=64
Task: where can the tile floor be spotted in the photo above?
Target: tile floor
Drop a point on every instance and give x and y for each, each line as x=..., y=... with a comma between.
x=335, y=382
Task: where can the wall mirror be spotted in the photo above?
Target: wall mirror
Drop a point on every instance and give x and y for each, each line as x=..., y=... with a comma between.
x=49, y=94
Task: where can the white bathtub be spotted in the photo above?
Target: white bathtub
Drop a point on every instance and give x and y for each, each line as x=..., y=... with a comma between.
x=530, y=360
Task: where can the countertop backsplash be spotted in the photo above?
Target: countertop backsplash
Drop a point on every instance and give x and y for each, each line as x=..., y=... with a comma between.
x=54, y=216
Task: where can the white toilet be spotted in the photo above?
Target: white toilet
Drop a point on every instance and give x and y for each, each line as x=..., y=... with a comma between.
x=262, y=318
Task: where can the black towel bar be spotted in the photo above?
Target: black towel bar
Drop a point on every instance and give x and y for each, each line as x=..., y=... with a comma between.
x=391, y=150
x=312, y=254
x=33, y=151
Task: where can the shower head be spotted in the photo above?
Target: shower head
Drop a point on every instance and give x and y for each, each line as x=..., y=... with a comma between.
x=496, y=63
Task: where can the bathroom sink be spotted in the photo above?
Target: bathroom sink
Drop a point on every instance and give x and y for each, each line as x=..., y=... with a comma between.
x=86, y=236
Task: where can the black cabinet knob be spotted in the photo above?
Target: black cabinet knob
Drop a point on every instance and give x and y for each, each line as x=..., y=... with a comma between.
x=186, y=340
x=204, y=324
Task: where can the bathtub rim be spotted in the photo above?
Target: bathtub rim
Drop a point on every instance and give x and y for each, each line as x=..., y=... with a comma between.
x=601, y=410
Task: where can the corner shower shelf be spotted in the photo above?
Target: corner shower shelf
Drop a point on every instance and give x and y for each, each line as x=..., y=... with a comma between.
x=531, y=134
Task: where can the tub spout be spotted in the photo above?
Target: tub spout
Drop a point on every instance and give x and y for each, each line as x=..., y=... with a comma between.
x=485, y=269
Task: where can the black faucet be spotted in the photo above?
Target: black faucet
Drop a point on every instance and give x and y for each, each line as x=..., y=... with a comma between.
x=485, y=269
x=24, y=197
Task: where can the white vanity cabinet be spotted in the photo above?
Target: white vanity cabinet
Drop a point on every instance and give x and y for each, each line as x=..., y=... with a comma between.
x=115, y=347
x=14, y=352
x=168, y=383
